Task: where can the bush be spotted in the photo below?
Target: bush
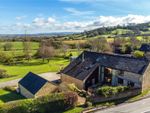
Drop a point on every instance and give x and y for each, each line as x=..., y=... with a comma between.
x=138, y=54
x=81, y=93
x=3, y=74
x=88, y=104
x=73, y=87
x=46, y=104
x=109, y=91
x=6, y=58
x=9, y=88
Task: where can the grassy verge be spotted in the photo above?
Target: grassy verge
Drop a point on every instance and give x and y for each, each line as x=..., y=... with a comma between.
x=75, y=110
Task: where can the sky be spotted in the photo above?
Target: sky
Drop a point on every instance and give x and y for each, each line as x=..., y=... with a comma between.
x=45, y=16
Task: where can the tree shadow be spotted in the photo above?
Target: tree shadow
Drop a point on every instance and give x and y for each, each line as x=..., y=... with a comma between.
x=12, y=96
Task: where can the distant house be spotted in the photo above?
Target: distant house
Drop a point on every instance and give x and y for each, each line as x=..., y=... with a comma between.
x=32, y=86
x=145, y=48
x=92, y=68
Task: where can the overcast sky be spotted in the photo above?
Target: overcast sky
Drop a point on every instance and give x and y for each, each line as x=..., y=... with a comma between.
x=44, y=16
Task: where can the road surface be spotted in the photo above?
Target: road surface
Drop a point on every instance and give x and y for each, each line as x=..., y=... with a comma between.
x=142, y=106
x=50, y=76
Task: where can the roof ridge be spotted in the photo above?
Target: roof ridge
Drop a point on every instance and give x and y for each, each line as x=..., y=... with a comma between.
x=37, y=75
x=117, y=55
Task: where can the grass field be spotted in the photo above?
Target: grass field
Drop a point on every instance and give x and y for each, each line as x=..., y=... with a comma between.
x=7, y=96
x=19, y=45
x=74, y=41
x=35, y=66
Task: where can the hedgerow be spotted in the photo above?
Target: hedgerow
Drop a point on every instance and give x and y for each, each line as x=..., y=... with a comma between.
x=47, y=104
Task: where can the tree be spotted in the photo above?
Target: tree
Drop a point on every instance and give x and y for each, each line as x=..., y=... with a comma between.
x=100, y=45
x=27, y=49
x=78, y=47
x=46, y=50
x=135, y=43
x=8, y=46
x=146, y=39
x=6, y=58
x=64, y=49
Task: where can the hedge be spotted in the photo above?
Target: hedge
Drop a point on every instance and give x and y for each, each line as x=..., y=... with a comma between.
x=48, y=104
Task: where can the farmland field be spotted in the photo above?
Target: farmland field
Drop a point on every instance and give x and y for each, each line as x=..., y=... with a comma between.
x=35, y=65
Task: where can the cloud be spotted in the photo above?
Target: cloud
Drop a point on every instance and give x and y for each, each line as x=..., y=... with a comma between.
x=20, y=17
x=100, y=21
x=124, y=20
x=50, y=24
x=76, y=12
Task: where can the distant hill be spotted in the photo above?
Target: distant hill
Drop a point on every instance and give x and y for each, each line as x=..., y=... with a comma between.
x=53, y=34
x=129, y=30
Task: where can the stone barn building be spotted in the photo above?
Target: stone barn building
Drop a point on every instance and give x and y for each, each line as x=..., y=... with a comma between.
x=32, y=86
x=91, y=69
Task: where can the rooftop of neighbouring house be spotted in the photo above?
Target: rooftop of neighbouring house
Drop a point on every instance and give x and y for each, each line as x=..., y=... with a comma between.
x=80, y=68
x=32, y=82
x=145, y=48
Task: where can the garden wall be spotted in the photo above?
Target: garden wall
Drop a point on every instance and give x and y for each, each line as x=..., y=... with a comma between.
x=70, y=80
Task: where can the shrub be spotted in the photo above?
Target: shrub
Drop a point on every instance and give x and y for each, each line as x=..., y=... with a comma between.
x=47, y=104
x=88, y=104
x=109, y=91
x=6, y=58
x=8, y=46
x=73, y=87
x=9, y=88
x=3, y=74
x=138, y=54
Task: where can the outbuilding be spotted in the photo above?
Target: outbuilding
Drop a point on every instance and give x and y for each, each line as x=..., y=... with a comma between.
x=32, y=86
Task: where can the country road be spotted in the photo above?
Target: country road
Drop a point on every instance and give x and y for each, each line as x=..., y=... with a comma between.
x=142, y=106
x=50, y=76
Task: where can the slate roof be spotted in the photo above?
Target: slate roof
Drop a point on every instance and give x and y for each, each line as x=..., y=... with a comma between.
x=32, y=82
x=79, y=69
x=145, y=48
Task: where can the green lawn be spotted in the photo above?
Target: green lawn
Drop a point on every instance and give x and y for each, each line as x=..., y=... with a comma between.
x=17, y=48
x=36, y=66
x=7, y=96
x=19, y=45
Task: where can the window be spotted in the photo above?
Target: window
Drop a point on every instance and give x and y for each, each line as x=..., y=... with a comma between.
x=120, y=81
x=130, y=84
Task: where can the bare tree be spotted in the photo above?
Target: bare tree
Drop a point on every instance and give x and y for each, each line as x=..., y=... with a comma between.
x=78, y=47
x=46, y=51
x=100, y=45
x=135, y=43
x=27, y=49
x=64, y=49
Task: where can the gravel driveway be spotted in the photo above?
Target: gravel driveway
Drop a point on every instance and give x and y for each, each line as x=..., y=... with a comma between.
x=50, y=76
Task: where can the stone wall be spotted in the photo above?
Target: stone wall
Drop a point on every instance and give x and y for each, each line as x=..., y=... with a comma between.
x=70, y=80
x=25, y=92
x=122, y=95
x=46, y=89
x=146, y=79
x=130, y=76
